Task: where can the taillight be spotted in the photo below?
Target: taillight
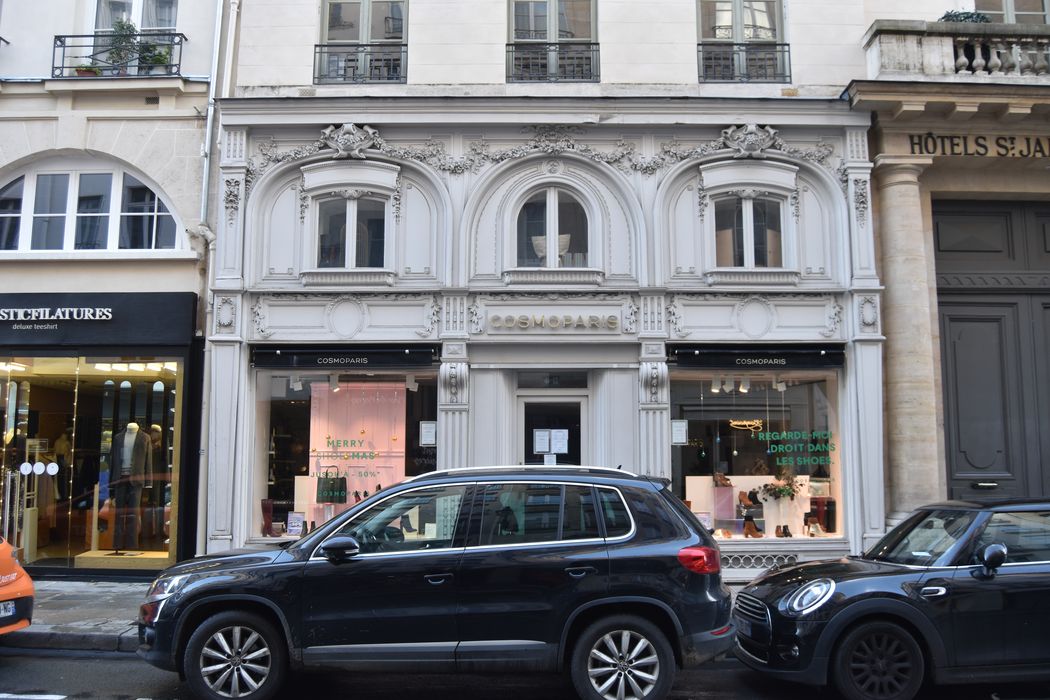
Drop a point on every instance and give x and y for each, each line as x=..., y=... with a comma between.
x=701, y=560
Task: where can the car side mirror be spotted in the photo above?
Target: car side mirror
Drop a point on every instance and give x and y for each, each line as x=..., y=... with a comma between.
x=992, y=557
x=340, y=548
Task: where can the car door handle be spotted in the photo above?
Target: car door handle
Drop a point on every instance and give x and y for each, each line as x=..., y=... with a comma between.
x=933, y=591
x=580, y=571
x=437, y=579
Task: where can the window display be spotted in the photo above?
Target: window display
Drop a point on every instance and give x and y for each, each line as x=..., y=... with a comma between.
x=330, y=440
x=90, y=459
x=761, y=456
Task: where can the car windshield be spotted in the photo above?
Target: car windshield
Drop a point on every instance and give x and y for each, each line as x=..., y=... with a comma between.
x=923, y=538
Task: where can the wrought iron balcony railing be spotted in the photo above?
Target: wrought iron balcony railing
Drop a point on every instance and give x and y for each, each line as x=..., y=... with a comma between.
x=560, y=62
x=109, y=55
x=753, y=62
x=360, y=63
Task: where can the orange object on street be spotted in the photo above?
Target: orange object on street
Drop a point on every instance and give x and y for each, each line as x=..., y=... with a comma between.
x=16, y=591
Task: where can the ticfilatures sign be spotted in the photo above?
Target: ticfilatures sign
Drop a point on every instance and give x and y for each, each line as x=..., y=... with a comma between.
x=38, y=318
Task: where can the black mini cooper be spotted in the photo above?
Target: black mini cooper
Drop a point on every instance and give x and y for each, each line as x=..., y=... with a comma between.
x=594, y=570
x=957, y=593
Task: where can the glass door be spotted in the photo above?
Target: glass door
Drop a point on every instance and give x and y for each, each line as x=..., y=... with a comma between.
x=552, y=430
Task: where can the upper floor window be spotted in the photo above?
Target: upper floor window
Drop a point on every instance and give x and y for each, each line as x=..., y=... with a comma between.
x=552, y=40
x=360, y=245
x=740, y=40
x=552, y=220
x=150, y=15
x=88, y=209
x=748, y=231
x=1015, y=11
x=363, y=41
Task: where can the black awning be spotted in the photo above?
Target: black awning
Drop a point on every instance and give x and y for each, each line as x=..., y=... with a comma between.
x=759, y=357
x=346, y=357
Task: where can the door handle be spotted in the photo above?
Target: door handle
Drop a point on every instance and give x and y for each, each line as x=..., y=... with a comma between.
x=580, y=571
x=933, y=591
x=437, y=579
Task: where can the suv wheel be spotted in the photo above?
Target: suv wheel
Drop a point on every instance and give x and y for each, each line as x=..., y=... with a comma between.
x=622, y=658
x=878, y=661
x=235, y=655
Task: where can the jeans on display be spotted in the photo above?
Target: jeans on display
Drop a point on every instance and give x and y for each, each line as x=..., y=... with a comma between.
x=126, y=497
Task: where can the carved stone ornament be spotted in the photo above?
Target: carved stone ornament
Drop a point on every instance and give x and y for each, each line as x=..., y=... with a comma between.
x=653, y=376
x=349, y=140
x=431, y=319
x=748, y=193
x=232, y=199
x=304, y=199
x=702, y=199
x=477, y=319
x=869, y=313
x=750, y=140
x=259, y=320
x=860, y=200
x=352, y=193
x=834, y=320
x=796, y=203
x=630, y=317
x=395, y=200
x=453, y=376
x=676, y=318
x=225, y=314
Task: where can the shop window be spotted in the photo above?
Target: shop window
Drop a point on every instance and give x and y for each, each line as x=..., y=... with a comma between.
x=360, y=245
x=762, y=452
x=330, y=440
x=748, y=231
x=92, y=448
x=552, y=220
x=90, y=209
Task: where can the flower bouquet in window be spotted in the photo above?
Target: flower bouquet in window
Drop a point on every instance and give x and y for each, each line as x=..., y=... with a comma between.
x=785, y=487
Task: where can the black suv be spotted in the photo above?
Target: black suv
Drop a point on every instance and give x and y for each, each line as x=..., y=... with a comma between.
x=471, y=570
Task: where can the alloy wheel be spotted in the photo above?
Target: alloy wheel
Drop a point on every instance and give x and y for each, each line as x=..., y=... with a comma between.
x=235, y=661
x=623, y=665
x=880, y=665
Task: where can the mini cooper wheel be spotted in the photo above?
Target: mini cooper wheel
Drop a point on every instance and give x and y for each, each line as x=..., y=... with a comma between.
x=622, y=658
x=878, y=661
x=235, y=655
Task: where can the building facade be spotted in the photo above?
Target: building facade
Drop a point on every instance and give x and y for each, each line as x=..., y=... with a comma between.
x=395, y=180
x=103, y=259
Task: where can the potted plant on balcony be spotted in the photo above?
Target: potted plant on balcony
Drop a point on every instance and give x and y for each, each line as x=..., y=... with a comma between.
x=154, y=59
x=122, y=45
x=87, y=70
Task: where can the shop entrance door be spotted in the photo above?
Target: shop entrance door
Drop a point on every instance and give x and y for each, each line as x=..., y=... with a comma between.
x=552, y=430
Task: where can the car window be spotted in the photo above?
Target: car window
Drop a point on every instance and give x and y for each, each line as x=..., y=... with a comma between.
x=1026, y=535
x=580, y=521
x=409, y=521
x=921, y=541
x=520, y=513
x=614, y=513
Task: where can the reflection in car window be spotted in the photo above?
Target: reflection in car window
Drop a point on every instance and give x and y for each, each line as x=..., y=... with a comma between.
x=614, y=512
x=411, y=521
x=1026, y=536
x=518, y=513
x=922, y=539
x=580, y=521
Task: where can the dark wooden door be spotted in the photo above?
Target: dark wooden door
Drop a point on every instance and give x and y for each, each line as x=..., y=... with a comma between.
x=993, y=273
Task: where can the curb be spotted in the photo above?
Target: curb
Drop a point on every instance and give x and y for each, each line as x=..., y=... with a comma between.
x=52, y=637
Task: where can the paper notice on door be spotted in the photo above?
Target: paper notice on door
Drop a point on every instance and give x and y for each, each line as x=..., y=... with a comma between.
x=550, y=459
x=541, y=441
x=560, y=442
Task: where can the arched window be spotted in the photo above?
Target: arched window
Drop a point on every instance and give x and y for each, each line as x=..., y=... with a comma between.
x=358, y=246
x=88, y=208
x=552, y=220
x=748, y=230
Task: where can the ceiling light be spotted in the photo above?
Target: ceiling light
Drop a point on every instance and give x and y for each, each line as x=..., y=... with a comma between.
x=137, y=366
x=727, y=384
x=745, y=385
x=120, y=367
x=154, y=366
x=716, y=386
x=171, y=366
x=333, y=383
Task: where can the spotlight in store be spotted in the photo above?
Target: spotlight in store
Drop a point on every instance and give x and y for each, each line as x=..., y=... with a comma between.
x=296, y=383
x=154, y=366
x=410, y=383
x=779, y=386
x=727, y=384
x=333, y=383
x=745, y=385
x=137, y=366
x=716, y=386
x=120, y=367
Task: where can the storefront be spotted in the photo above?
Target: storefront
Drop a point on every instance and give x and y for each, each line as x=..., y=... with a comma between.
x=99, y=445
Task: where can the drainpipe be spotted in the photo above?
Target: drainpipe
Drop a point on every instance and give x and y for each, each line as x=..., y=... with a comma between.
x=209, y=239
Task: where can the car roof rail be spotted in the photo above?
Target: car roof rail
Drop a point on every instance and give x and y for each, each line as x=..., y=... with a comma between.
x=520, y=468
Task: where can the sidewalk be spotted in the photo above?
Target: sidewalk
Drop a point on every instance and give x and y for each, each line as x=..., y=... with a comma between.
x=82, y=616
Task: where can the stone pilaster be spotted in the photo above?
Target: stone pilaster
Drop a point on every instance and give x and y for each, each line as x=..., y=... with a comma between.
x=453, y=448
x=913, y=468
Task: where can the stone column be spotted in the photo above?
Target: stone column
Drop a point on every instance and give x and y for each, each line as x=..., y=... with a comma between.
x=913, y=470
x=654, y=419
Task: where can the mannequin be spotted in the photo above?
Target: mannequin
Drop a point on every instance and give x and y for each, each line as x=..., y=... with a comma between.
x=131, y=459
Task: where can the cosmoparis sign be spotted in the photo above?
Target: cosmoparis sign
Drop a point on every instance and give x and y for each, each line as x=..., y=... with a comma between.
x=554, y=322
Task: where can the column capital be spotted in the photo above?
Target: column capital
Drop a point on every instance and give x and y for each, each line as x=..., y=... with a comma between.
x=895, y=170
